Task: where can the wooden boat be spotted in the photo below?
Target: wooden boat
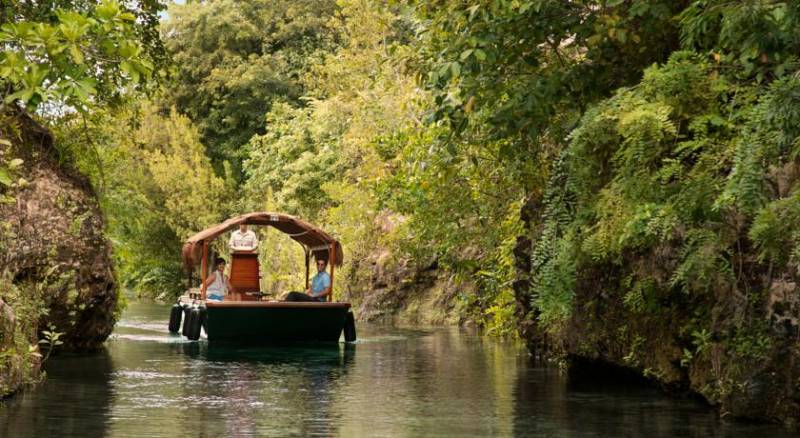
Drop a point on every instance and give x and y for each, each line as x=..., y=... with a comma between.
x=251, y=316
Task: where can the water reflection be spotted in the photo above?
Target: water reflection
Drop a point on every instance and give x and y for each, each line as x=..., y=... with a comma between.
x=225, y=391
x=393, y=382
x=77, y=402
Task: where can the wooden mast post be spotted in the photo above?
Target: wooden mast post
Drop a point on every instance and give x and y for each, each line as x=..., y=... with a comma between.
x=308, y=253
x=332, y=252
x=204, y=271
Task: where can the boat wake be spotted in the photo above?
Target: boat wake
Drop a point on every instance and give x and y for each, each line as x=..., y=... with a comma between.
x=161, y=338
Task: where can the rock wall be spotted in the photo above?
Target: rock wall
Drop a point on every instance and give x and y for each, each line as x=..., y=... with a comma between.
x=399, y=291
x=747, y=363
x=55, y=260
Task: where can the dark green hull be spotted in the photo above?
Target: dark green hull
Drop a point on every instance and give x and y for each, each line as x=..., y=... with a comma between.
x=256, y=323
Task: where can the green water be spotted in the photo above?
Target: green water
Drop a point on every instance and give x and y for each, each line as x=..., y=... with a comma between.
x=393, y=382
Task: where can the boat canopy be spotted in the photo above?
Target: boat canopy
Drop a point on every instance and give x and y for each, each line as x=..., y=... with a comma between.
x=314, y=240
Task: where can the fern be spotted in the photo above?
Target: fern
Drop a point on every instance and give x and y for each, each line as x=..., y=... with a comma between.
x=703, y=263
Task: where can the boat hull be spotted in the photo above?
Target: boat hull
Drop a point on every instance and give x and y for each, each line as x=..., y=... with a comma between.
x=274, y=322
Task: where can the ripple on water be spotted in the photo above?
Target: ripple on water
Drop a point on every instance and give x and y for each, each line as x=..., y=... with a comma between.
x=144, y=375
x=142, y=325
x=164, y=339
x=381, y=339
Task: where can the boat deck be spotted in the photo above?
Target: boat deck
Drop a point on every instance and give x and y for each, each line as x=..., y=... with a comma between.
x=231, y=301
x=278, y=304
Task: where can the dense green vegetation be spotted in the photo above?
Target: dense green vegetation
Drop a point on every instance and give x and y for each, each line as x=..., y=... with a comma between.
x=679, y=163
x=63, y=60
x=547, y=157
x=440, y=117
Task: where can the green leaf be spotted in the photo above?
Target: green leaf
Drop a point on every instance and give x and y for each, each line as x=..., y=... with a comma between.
x=128, y=49
x=622, y=35
x=444, y=69
x=86, y=86
x=455, y=68
x=107, y=10
x=128, y=68
x=35, y=75
x=5, y=178
x=23, y=95
x=76, y=54
x=473, y=10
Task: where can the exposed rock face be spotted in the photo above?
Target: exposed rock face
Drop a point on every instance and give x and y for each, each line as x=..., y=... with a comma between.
x=387, y=287
x=402, y=292
x=54, y=246
x=748, y=365
x=747, y=361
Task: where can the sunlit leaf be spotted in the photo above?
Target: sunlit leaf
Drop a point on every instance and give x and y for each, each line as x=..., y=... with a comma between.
x=5, y=177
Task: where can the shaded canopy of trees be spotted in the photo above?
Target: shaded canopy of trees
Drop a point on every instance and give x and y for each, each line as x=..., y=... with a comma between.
x=233, y=60
x=631, y=161
x=567, y=134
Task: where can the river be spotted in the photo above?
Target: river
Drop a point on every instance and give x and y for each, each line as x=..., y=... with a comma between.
x=392, y=382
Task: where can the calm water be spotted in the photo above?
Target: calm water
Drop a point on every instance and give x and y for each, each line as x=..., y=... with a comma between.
x=393, y=382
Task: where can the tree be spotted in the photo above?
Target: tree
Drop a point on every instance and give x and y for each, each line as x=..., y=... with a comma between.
x=234, y=59
x=158, y=188
x=79, y=54
x=528, y=68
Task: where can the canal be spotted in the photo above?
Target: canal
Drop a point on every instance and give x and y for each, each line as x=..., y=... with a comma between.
x=392, y=382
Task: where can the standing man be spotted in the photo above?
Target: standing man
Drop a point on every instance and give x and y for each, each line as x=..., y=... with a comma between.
x=320, y=288
x=243, y=240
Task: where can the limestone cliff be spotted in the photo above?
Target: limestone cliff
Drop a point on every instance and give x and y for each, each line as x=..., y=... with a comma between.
x=55, y=262
x=402, y=292
x=746, y=362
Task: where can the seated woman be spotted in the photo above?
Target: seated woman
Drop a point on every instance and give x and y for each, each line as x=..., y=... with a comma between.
x=217, y=284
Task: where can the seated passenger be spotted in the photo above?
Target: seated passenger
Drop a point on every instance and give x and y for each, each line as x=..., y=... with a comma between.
x=243, y=240
x=217, y=284
x=320, y=288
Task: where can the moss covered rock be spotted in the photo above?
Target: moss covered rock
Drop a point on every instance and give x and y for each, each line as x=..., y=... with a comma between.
x=387, y=288
x=56, y=263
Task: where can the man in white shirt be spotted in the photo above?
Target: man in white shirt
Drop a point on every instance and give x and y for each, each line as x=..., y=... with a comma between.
x=243, y=240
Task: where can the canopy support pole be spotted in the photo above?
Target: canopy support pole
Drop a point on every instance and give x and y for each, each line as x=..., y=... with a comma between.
x=308, y=258
x=332, y=252
x=204, y=270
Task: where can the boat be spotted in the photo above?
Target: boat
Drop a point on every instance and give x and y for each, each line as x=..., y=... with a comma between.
x=248, y=315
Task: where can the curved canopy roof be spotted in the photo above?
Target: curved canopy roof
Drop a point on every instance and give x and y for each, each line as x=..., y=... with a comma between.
x=311, y=237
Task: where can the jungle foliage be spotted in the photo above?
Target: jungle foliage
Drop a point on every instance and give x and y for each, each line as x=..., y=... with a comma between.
x=75, y=53
x=63, y=61
x=233, y=60
x=601, y=132
x=698, y=156
x=614, y=179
